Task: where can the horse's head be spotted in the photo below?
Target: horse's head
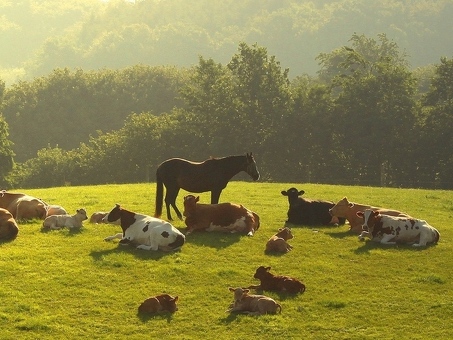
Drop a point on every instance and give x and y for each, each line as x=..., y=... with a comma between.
x=251, y=168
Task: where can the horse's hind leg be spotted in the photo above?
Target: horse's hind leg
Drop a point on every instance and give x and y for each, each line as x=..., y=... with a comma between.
x=170, y=200
x=215, y=196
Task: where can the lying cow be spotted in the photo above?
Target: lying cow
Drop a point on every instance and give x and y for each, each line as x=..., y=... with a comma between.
x=224, y=217
x=278, y=242
x=253, y=304
x=277, y=283
x=22, y=206
x=349, y=210
x=304, y=211
x=98, y=217
x=8, y=226
x=143, y=231
x=392, y=230
x=159, y=303
x=69, y=221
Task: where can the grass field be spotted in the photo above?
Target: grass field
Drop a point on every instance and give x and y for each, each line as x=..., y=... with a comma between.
x=73, y=285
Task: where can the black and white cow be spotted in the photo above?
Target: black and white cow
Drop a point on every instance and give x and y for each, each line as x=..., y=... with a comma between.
x=143, y=231
x=393, y=229
x=309, y=212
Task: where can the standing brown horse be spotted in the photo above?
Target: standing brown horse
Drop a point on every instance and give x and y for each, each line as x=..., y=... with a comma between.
x=210, y=175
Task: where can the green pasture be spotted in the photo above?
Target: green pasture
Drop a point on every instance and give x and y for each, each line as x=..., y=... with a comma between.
x=73, y=285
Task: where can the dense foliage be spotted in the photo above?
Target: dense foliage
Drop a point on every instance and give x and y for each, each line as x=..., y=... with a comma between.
x=363, y=120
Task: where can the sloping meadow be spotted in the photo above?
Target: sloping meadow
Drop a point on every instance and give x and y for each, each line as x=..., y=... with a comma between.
x=73, y=284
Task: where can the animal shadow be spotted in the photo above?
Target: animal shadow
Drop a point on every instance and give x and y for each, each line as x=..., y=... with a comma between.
x=68, y=232
x=369, y=245
x=144, y=317
x=214, y=239
x=138, y=253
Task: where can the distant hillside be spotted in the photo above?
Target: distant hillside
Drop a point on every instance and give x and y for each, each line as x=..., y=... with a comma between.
x=39, y=36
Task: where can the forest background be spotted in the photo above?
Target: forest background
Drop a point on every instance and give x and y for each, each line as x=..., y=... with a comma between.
x=338, y=92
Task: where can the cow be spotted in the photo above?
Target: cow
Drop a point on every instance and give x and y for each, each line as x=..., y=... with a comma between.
x=8, y=226
x=277, y=283
x=143, y=231
x=278, y=242
x=97, y=217
x=349, y=210
x=223, y=217
x=159, y=303
x=22, y=206
x=392, y=229
x=252, y=304
x=304, y=211
x=69, y=221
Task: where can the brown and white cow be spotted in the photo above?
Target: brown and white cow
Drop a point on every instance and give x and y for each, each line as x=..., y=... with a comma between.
x=349, y=210
x=144, y=232
x=252, y=304
x=278, y=242
x=8, y=226
x=223, y=217
x=22, y=206
x=392, y=229
x=159, y=303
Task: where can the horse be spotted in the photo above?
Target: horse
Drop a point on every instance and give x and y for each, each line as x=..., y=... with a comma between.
x=210, y=175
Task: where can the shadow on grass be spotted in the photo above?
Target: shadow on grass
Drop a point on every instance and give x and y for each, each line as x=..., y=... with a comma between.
x=161, y=316
x=214, y=239
x=99, y=255
x=369, y=245
x=68, y=232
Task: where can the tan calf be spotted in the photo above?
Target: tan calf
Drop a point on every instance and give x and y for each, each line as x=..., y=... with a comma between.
x=253, y=304
x=8, y=225
x=277, y=243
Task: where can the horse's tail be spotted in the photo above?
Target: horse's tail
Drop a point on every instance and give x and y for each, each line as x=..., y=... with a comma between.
x=159, y=195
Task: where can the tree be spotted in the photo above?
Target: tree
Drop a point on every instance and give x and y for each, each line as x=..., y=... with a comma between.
x=374, y=100
x=435, y=154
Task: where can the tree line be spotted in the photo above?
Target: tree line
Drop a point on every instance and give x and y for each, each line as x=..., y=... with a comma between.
x=365, y=119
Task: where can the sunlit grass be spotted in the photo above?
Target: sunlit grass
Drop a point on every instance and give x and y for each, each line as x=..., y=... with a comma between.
x=66, y=284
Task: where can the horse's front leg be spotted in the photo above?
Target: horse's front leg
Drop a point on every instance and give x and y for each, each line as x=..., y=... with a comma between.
x=215, y=195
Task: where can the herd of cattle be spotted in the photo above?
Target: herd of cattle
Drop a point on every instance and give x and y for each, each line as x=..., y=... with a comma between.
x=379, y=224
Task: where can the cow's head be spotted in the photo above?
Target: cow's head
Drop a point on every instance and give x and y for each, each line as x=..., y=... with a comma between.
x=292, y=194
x=190, y=204
x=262, y=272
x=168, y=303
x=285, y=233
x=369, y=217
x=239, y=293
x=113, y=215
x=82, y=214
x=341, y=207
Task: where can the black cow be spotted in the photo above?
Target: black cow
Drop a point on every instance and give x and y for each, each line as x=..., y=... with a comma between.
x=309, y=212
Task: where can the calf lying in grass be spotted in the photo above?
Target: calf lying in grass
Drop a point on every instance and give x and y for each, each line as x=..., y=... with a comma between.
x=159, y=303
x=70, y=221
x=277, y=243
x=253, y=304
x=277, y=283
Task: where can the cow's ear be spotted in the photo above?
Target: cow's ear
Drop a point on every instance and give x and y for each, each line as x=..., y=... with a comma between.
x=231, y=289
x=300, y=193
x=246, y=291
x=197, y=199
x=284, y=193
x=268, y=268
x=280, y=229
x=117, y=205
x=350, y=204
x=359, y=214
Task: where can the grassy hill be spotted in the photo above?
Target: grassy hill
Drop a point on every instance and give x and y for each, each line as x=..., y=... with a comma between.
x=63, y=284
